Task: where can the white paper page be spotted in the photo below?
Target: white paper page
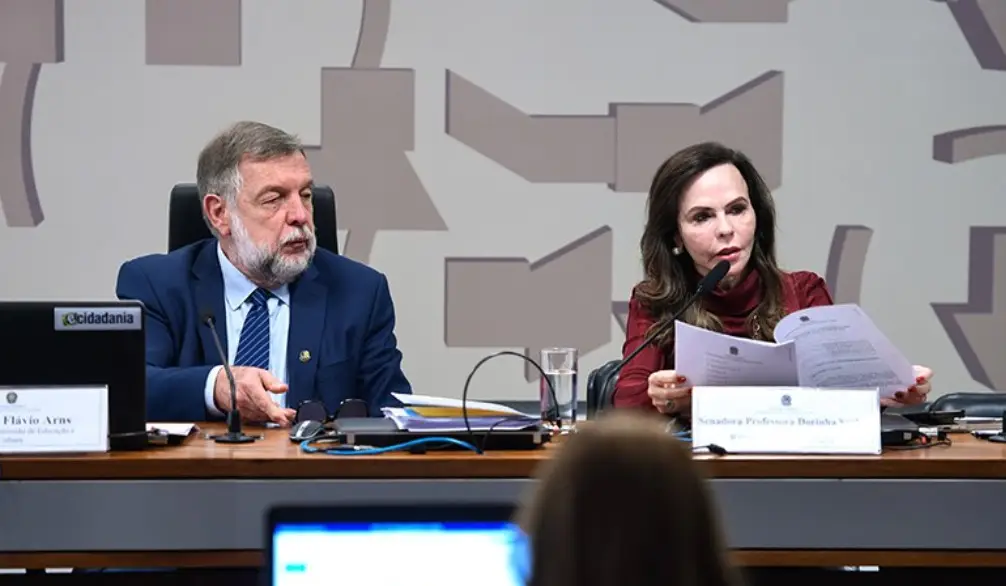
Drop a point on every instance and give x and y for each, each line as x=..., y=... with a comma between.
x=430, y=401
x=840, y=346
x=710, y=358
x=172, y=428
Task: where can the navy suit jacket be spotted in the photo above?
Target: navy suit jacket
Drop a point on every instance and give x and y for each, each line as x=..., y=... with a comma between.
x=341, y=312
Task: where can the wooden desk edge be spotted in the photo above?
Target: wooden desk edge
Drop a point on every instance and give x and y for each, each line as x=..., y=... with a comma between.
x=276, y=457
x=743, y=558
x=476, y=467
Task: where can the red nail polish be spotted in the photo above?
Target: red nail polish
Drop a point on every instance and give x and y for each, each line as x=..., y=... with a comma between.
x=920, y=379
x=681, y=379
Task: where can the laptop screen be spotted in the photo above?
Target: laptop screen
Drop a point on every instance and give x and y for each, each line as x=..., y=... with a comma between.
x=393, y=553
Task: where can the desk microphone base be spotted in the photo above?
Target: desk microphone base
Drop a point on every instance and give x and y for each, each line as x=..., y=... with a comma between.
x=234, y=438
x=234, y=435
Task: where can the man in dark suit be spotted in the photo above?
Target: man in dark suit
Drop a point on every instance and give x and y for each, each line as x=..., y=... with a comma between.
x=297, y=323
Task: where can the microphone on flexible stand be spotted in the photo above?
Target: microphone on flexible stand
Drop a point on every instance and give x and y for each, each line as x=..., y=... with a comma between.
x=707, y=284
x=234, y=434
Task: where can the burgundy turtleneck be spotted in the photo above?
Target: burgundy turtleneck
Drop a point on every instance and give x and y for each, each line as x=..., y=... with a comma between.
x=801, y=289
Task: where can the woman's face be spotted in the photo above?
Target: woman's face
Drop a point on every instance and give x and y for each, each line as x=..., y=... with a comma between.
x=716, y=221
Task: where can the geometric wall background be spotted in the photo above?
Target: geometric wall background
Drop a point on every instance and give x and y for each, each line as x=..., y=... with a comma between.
x=492, y=157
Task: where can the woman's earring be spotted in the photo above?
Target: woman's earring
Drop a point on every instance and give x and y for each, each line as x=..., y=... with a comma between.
x=676, y=251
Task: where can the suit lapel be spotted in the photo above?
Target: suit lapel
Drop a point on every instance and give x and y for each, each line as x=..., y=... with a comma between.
x=307, y=320
x=210, y=299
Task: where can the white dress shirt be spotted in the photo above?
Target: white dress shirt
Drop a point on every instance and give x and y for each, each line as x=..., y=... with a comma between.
x=237, y=290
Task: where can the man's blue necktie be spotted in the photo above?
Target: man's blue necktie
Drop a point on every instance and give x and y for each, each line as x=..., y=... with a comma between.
x=253, y=345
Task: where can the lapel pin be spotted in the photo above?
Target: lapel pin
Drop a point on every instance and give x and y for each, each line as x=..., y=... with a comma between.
x=305, y=356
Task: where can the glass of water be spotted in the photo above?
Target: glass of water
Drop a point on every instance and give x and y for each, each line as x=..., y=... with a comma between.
x=560, y=366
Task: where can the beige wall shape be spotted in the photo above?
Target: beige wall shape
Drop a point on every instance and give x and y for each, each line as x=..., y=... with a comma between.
x=846, y=262
x=978, y=327
x=193, y=32
x=496, y=169
x=983, y=23
x=501, y=302
x=31, y=33
x=729, y=10
x=624, y=147
x=367, y=127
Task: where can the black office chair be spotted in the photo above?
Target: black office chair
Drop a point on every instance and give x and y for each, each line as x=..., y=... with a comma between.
x=973, y=404
x=186, y=224
x=601, y=388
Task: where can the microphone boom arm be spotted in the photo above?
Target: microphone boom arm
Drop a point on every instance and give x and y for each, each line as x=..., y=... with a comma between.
x=708, y=283
x=234, y=433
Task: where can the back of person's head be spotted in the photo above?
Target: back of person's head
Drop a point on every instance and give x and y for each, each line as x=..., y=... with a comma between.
x=623, y=504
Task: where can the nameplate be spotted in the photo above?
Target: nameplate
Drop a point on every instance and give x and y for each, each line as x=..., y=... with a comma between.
x=787, y=420
x=53, y=419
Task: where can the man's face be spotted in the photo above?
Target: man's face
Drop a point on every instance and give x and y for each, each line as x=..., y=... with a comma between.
x=270, y=230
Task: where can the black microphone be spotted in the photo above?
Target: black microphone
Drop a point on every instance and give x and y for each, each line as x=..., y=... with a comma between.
x=234, y=434
x=707, y=284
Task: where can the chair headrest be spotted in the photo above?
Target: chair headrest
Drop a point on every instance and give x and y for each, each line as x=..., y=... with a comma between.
x=186, y=224
x=974, y=404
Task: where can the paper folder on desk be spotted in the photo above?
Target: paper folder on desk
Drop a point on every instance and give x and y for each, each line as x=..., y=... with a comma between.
x=172, y=434
x=173, y=429
x=426, y=413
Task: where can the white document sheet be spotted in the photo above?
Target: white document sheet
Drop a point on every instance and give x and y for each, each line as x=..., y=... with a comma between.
x=826, y=347
x=712, y=359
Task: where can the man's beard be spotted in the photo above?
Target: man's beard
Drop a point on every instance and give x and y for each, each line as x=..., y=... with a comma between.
x=268, y=265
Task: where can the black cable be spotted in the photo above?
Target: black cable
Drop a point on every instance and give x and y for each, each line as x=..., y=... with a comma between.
x=924, y=441
x=464, y=396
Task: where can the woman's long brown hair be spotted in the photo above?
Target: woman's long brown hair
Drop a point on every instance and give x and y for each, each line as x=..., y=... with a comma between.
x=622, y=503
x=669, y=280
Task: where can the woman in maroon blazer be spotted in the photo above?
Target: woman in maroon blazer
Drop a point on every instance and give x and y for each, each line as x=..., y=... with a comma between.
x=708, y=203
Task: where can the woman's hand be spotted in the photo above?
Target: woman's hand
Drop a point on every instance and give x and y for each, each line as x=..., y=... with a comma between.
x=916, y=393
x=670, y=392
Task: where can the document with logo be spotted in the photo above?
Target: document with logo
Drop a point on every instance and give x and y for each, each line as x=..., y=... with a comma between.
x=826, y=347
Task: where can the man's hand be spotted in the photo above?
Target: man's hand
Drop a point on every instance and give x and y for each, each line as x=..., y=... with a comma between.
x=254, y=386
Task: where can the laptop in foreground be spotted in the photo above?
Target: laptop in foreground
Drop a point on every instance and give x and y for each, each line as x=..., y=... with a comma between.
x=385, y=545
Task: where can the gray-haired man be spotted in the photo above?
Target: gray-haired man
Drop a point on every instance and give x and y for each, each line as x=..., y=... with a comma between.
x=297, y=323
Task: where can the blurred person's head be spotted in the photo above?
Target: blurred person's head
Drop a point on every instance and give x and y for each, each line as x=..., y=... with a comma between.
x=623, y=504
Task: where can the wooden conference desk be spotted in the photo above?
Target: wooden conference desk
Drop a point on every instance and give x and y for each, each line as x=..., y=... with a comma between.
x=201, y=504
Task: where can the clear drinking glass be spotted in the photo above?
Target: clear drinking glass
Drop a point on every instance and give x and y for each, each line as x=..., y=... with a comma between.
x=560, y=366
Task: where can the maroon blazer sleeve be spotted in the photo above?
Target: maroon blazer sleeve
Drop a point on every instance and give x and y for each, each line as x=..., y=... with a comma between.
x=633, y=381
x=811, y=290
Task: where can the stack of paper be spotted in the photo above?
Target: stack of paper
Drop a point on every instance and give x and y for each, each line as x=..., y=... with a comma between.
x=439, y=414
x=828, y=346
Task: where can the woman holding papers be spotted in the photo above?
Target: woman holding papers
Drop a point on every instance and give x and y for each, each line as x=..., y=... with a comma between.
x=707, y=203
